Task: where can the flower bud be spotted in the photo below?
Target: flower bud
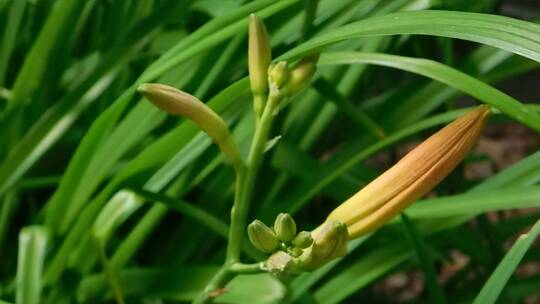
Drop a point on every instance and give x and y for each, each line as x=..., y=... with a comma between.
x=329, y=242
x=278, y=74
x=177, y=102
x=303, y=239
x=285, y=227
x=259, y=55
x=281, y=264
x=262, y=237
x=301, y=75
x=412, y=177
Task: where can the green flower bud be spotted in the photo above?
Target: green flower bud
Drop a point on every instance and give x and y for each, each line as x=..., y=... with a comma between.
x=329, y=242
x=262, y=237
x=285, y=227
x=278, y=74
x=301, y=75
x=303, y=240
x=259, y=55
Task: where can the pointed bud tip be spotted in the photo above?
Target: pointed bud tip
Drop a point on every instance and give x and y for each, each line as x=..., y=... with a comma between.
x=484, y=110
x=143, y=88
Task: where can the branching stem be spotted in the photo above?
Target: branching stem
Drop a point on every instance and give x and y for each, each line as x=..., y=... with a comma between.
x=245, y=182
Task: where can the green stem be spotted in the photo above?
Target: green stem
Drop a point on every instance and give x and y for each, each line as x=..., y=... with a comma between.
x=245, y=181
x=240, y=268
x=240, y=209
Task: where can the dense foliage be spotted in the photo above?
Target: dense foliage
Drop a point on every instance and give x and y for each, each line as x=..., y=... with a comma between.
x=105, y=198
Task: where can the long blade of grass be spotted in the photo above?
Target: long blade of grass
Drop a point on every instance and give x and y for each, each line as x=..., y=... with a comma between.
x=498, y=279
x=32, y=250
x=513, y=35
x=63, y=15
x=476, y=202
x=446, y=75
x=15, y=15
x=435, y=291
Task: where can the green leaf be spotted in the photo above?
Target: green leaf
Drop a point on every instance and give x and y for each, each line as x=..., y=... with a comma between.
x=32, y=250
x=116, y=211
x=476, y=202
x=182, y=284
x=513, y=35
x=9, y=36
x=63, y=15
x=359, y=274
x=416, y=241
x=444, y=74
x=498, y=279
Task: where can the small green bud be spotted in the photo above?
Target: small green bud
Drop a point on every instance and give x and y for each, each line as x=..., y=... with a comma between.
x=262, y=237
x=285, y=227
x=303, y=240
x=278, y=74
x=301, y=75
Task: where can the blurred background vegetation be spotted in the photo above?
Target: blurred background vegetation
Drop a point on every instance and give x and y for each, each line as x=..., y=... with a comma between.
x=99, y=191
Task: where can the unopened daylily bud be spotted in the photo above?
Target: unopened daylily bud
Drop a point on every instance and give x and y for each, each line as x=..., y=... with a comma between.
x=285, y=227
x=278, y=74
x=329, y=242
x=262, y=237
x=412, y=177
x=303, y=239
x=176, y=102
x=259, y=56
x=301, y=75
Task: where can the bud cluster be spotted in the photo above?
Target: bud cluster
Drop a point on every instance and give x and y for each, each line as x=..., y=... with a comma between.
x=282, y=236
x=293, y=253
x=276, y=80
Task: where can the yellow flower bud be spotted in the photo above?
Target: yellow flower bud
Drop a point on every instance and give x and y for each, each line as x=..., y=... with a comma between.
x=176, y=102
x=285, y=227
x=303, y=239
x=262, y=237
x=412, y=177
x=301, y=75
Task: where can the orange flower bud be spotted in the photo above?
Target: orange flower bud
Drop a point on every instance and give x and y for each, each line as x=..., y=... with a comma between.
x=412, y=177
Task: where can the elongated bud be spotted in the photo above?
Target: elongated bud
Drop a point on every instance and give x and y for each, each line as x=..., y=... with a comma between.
x=285, y=227
x=278, y=74
x=301, y=75
x=303, y=239
x=412, y=177
x=262, y=237
x=329, y=242
x=176, y=102
x=259, y=55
